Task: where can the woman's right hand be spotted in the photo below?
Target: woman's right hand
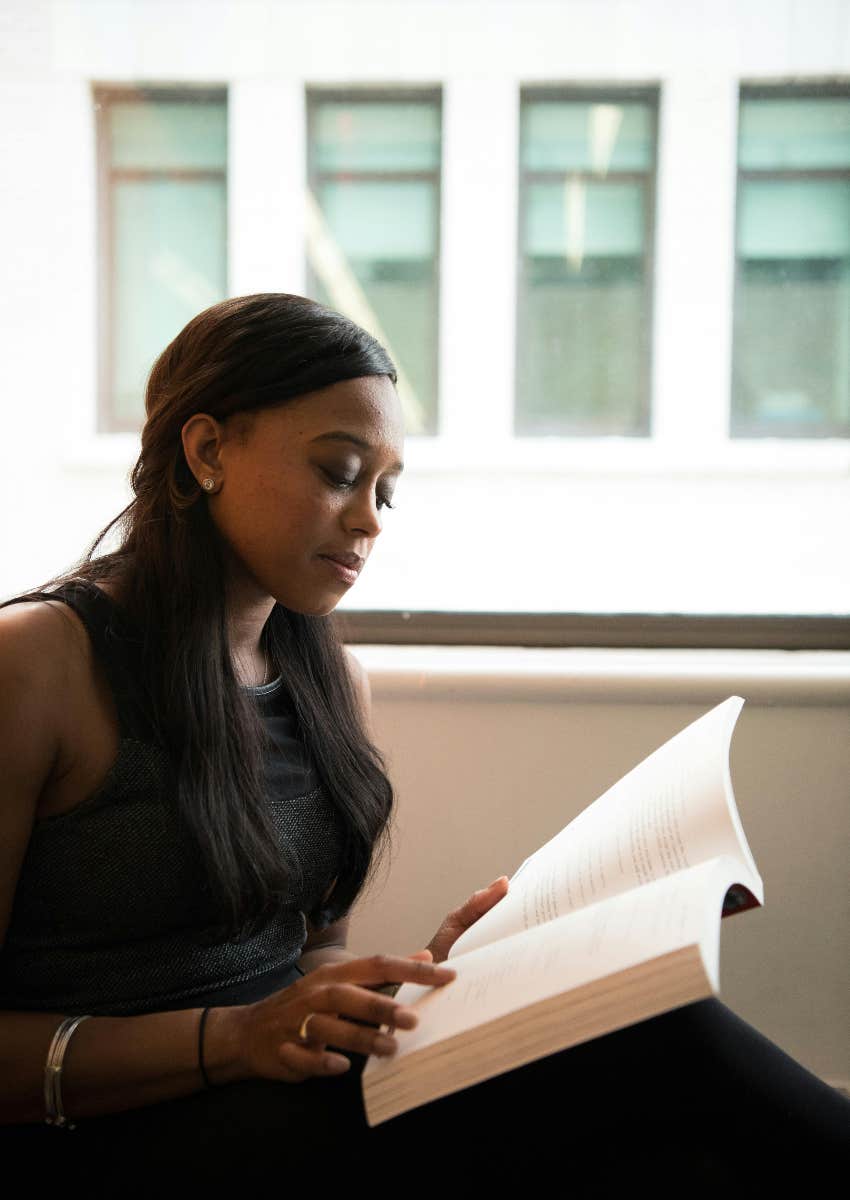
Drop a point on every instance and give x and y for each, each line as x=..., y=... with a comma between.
x=261, y=1040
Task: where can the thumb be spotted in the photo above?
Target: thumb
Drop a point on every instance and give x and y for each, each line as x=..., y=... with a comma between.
x=422, y=956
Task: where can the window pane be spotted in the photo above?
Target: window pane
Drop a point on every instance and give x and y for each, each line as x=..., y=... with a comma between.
x=794, y=219
x=791, y=375
x=373, y=250
x=383, y=136
x=164, y=229
x=567, y=382
x=583, y=319
x=792, y=329
x=782, y=133
x=574, y=135
x=158, y=134
x=575, y=220
x=169, y=240
x=384, y=220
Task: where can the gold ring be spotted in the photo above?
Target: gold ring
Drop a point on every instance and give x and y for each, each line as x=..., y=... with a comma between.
x=302, y=1032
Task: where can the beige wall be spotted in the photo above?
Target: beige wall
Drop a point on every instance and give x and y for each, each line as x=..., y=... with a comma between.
x=490, y=762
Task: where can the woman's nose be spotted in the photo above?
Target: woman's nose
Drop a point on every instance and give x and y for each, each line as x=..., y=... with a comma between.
x=363, y=516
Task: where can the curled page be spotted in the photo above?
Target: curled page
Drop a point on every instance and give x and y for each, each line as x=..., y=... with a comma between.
x=674, y=810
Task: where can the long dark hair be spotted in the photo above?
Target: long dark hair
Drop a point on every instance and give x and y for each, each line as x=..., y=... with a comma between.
x=246, y=353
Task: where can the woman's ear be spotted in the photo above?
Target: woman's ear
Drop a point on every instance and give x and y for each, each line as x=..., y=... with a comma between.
x=202, y=441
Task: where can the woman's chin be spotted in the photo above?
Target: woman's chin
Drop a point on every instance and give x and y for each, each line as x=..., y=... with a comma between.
x=319, y=606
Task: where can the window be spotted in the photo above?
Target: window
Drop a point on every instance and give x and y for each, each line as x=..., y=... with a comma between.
x=612, y=277
x=587, y=180
x=374, y=230
x=162, y=158
x=791, y=374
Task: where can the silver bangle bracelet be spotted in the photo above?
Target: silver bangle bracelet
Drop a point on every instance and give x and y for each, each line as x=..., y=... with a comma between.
x=53, y=1111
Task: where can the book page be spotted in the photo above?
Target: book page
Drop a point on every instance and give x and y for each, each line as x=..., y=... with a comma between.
x=672, y=811
x=564, y=954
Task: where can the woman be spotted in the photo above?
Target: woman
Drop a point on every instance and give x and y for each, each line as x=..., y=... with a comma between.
x=192, y=804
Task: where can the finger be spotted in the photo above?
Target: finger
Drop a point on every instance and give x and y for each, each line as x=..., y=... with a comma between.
x=420, y=955
x=344, y=1035
x=300, y=1061
x=483, y=900
x=497, y=888
x=358, y=1003
x=387, y=968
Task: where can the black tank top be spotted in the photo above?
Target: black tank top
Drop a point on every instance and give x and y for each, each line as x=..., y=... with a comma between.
x=108, y=916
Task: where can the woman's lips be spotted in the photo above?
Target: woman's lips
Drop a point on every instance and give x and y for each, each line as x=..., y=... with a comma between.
x=345, y=566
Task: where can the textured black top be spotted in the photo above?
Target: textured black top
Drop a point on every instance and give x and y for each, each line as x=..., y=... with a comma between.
x=109, y=915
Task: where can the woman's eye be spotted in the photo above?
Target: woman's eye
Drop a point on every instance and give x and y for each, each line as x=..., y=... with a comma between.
x=339, y=479
x=343, y=479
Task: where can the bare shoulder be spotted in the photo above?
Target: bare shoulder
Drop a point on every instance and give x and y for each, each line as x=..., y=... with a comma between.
x=38, y=639
x=38, y=646
x=40, y=631
x=43, y=646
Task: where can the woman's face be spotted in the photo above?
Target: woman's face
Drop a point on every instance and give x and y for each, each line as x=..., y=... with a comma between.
x=301, y=488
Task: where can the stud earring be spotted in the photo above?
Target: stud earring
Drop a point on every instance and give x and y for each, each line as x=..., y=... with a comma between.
x=208, y=484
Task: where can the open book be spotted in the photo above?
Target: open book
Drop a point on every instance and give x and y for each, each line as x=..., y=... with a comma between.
x=614, y=920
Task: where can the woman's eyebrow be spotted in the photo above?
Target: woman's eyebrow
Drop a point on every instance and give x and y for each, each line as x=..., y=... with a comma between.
x=339, y=435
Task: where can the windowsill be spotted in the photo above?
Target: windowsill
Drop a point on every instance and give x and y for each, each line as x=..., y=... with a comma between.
x=614, y=676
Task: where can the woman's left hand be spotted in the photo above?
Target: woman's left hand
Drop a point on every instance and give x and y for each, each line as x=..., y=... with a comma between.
x=459, y=921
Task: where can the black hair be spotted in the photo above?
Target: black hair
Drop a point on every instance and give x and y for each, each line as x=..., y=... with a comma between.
x=246, y=353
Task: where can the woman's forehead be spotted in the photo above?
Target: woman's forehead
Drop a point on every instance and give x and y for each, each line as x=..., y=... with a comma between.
x=372, y=398
x=364, y=412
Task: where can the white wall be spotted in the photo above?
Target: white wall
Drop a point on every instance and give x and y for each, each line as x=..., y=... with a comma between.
x=492, y=752
x=684, y=522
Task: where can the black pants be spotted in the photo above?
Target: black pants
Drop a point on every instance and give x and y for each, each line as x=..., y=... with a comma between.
x=677, y=1105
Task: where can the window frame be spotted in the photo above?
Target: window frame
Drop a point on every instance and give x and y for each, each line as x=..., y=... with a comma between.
x=314, y=96
x=650, y=94
x=103, y=96
x=810, y=89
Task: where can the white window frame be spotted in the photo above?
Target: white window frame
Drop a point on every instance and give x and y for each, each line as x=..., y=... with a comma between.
x=104, y=95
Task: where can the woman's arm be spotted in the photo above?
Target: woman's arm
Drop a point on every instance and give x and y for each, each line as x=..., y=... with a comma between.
x=118, y=1063
x=110, y=1063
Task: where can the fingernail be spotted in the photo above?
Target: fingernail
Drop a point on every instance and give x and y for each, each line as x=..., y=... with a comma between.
x=384, y=1044
x=336, y=1063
